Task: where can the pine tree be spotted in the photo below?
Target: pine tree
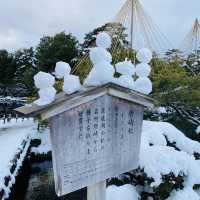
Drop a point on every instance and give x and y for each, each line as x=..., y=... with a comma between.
x=61, y=47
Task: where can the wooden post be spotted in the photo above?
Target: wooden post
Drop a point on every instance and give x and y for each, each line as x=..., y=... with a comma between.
x=97, y=191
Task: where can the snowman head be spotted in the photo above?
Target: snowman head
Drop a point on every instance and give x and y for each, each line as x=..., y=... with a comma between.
x=44, y=80
x=144, y=55
x=103, y=40
x=62, y=69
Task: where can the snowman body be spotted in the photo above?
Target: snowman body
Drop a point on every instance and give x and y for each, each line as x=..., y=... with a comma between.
x=127, y=70
x=102, y=71
x=71, y=83
x=143, y=84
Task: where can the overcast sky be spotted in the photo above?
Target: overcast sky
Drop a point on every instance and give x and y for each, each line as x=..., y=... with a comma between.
x=23, y=22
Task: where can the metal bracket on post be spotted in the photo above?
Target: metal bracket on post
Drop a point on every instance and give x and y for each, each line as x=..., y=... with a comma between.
x=97, y=191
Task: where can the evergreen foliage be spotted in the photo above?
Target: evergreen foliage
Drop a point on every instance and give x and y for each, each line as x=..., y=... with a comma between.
x=61, y=47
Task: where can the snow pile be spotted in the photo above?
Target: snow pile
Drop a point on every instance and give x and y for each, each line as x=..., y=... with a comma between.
x=102, y=71
x=125, y=192
x=45, y=146
x=127, y=70
x=143, y=84
x=71, y=82
x=13, y=141
x=45, y=82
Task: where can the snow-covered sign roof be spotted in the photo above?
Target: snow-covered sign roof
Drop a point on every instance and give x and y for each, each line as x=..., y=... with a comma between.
x=65, y=102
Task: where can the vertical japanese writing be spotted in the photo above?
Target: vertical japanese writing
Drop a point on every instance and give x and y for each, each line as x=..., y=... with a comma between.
x=95, y=130
x=131, y=122
x=122, y=128
x=80, y=125
x=116, y=114
x=103, y=128
x=88, y=130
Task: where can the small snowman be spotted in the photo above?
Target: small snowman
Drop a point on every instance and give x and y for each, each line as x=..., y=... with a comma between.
x=62, y=69
x=127, y=70
x=143, y=84
x=102, y=71
x=71, y=82
x=45, y=82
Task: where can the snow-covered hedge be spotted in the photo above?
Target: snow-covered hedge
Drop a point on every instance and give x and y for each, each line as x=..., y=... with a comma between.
x=167, y=165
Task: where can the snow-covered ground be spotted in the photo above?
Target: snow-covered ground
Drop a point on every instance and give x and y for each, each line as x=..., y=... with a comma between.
x=14, y=139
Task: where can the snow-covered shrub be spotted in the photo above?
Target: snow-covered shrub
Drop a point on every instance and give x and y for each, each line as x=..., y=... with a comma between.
x=167, y=165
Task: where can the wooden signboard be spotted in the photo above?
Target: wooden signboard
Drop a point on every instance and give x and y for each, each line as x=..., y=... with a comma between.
x=95, y=141
x=95, y=135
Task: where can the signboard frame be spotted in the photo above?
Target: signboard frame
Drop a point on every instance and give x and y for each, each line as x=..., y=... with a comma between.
x=95, y=141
